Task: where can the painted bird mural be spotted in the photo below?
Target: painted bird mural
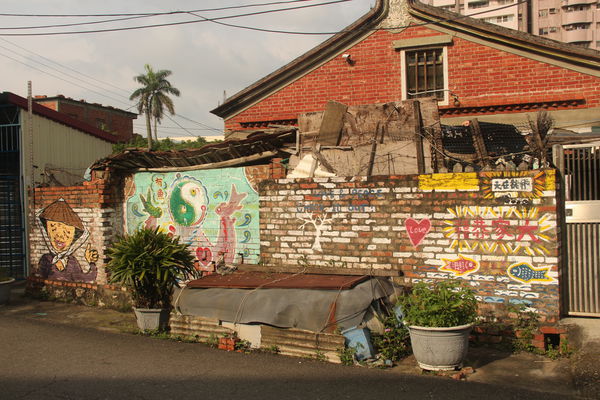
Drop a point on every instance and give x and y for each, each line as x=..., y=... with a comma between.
x=153, y=212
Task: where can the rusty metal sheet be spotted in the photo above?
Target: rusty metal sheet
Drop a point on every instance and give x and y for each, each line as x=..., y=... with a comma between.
x=251, y=280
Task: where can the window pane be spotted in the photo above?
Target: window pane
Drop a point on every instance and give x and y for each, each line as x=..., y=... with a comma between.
x=425, y=73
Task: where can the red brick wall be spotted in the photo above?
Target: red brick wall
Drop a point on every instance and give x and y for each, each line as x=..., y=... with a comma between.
x=479, y=75
x=99, y=205
x=114, y=122
x=427, y=227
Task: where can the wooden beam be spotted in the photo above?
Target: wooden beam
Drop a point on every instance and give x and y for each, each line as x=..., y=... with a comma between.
x=419, y=137
x=332, y=124
x=222, y=164
x=318, y=270
x=478, y=141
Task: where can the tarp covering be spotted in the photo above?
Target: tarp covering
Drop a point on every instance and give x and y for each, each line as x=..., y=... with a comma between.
x=309, y=309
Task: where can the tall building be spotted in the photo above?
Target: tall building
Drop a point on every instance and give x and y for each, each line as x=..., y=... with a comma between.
x=571, y=21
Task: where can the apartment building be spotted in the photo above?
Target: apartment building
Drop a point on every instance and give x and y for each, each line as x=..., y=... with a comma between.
x=570, y=21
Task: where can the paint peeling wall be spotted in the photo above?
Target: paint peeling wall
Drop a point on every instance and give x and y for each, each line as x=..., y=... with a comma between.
x=496, y=230
x=214, y=211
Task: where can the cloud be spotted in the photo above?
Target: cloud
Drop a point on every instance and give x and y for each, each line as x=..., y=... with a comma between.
x=205, y=58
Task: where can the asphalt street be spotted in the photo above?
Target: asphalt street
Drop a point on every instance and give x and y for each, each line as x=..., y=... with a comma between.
x=43, y=360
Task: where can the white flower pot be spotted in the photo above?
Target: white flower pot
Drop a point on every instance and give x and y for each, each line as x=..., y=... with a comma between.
x=440, y=348
x=151, y=319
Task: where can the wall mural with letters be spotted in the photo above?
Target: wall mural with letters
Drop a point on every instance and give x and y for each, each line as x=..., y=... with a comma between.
x=496, y=230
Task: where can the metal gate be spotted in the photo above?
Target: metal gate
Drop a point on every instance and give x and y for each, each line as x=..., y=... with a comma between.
x=11, y=228
x=580, y=166
x=12, y=256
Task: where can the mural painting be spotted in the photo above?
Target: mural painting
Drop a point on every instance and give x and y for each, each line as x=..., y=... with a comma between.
x=461, y=266
x=417, y=230
x=214, y=211
x=319, y=222
x=526, y=273
x=505, y=229
x=64, y=232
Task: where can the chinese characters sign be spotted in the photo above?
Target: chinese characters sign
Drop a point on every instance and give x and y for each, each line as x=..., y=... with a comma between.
x=512, y=185
x=505, y=229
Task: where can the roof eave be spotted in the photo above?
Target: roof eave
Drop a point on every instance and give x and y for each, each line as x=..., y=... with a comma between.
x=523, y=40
x=38, y=109
x=302, y=64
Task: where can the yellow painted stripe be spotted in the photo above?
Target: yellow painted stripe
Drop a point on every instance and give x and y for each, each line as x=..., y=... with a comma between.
x=458, y=181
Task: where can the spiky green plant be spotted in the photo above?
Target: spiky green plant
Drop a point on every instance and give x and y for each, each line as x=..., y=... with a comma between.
x=150, y=263
x=445, y=304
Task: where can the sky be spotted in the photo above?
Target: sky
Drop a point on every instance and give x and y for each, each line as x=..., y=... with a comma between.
x=207, y=60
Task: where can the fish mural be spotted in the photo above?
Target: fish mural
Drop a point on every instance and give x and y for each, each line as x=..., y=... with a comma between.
x=461, y=266
x=214, y=211
x=526, y=273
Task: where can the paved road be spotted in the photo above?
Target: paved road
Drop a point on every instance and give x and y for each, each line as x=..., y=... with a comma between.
x=40, y=360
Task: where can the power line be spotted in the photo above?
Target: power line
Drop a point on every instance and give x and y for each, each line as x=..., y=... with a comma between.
x=205, y=127
x=195, y=21
x=57, y=77
x=74, y=23
x=154, y=14
x=65, y=67
x=216, y=21
x=69, y=75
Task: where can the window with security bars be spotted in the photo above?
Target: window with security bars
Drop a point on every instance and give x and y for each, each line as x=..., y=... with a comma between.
x=425, y=73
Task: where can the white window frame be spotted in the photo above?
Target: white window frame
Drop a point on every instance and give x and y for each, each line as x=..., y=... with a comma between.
x=446, y=99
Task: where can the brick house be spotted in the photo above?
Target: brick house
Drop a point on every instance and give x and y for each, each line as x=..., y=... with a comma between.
x=115, y=121
x=474, y=68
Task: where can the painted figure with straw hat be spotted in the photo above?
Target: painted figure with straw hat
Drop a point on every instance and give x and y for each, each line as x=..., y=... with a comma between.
x=64, y=233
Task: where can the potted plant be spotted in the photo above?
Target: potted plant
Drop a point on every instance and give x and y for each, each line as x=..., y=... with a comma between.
x=150, y=263
x=439, y=319
x=5, y=286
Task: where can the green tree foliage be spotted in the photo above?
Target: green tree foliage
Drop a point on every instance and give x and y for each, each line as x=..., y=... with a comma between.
x=165, y=144
x=153, y=97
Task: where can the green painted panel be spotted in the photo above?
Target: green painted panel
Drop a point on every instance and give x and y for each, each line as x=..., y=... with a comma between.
x=214, y=211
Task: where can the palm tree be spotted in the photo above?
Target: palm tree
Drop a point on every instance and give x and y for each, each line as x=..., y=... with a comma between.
x=153, y=97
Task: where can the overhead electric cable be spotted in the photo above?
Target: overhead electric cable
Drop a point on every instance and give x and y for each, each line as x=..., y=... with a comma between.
x=74, y=23
x=58, y=77
x=216, y=21
x=155, y=13
x=65, y=67
x=195, y=21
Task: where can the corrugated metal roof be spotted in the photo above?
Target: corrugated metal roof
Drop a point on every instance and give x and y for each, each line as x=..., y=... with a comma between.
x=11, y=98
x=266, y=280
x=229, y=153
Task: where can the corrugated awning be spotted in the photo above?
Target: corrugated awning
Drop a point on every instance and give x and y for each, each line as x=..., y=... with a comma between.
x=252, y=280
x=229, y=153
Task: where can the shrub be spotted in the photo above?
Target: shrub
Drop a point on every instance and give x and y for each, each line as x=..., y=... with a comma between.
x=445, y=304
x=150, y=263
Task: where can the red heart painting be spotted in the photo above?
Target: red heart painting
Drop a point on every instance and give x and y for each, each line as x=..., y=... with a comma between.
x=417, y=230
x=204, y=255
